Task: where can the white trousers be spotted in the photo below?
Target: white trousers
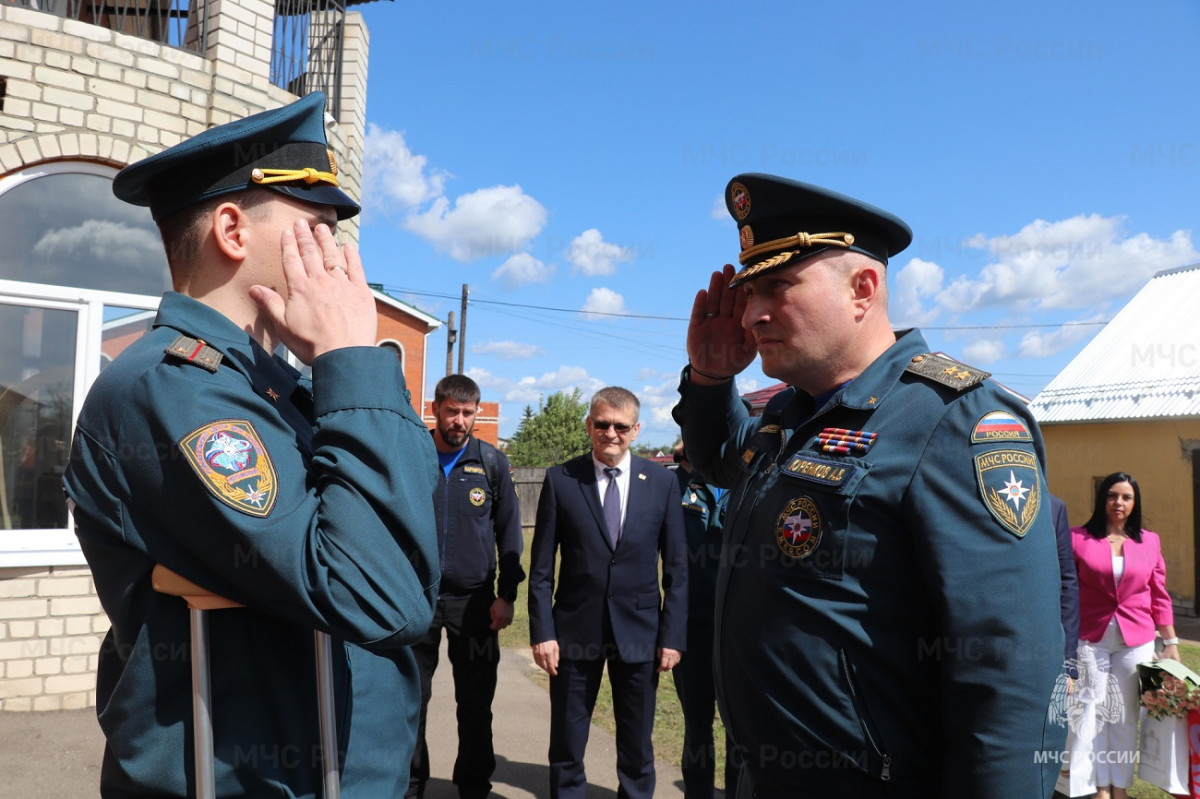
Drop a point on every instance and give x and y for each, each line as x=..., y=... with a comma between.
x=1103, y=713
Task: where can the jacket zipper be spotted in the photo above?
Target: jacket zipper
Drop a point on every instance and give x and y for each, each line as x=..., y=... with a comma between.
x=885, y=771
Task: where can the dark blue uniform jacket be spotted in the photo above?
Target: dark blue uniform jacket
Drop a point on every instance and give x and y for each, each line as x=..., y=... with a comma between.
x=474, y=522
x=310, y=507
x=880, y=631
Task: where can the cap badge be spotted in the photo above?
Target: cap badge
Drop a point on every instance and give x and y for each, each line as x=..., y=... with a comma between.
x=332, y=161
x=746, y=236
x=798, y=531
x=741, y=200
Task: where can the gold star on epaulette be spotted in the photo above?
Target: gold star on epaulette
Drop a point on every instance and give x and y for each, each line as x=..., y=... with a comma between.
x=946, y=371
x=273, y=394
x=872, y=400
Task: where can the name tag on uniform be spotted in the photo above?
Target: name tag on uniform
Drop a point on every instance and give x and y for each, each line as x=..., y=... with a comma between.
x=473, y=470
x=819, y=470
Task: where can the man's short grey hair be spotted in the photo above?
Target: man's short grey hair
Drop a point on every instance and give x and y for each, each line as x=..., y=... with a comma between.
x=615, y=397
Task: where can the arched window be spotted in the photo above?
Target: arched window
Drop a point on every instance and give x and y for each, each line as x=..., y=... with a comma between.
x=396, y=347
x=61, y=225
x=80, y=276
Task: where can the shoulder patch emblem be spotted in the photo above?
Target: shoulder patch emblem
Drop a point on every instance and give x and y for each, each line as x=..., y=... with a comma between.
x=477, y=496
x=798, y=530
x=1000, y=426
x=195, y=351
x=1009, y=485
x=230, y=458
x=946, y=371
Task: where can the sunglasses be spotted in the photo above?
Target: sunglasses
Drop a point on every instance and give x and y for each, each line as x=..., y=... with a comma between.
x=618, y=426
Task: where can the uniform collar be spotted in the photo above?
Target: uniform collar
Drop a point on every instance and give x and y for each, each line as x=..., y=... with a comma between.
x=870, y=389
x=271, y=376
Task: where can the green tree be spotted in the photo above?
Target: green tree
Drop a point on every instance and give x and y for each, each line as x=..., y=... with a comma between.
x=552, y=435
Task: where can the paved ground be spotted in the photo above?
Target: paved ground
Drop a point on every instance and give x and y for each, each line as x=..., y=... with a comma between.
x=56, y=755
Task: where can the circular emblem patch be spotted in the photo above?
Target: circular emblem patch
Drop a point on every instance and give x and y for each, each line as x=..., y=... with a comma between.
x=740, y=198
x=798, y=531
x=746, y=236
x=477, y=496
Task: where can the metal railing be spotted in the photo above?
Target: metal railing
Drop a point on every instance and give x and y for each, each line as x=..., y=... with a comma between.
x=306, y=51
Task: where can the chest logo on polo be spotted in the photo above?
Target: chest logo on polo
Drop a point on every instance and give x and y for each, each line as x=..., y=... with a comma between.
x=1008, y=483
x=230, y=458
x=1000, y=426
x=798, y=531
x=477, y=496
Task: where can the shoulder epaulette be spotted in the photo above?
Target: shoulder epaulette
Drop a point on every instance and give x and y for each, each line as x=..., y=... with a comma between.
x=195, y=351
x=946, y=371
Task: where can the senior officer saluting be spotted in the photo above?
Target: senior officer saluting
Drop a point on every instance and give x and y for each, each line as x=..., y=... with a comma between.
x=887, y=604
x=306, y=502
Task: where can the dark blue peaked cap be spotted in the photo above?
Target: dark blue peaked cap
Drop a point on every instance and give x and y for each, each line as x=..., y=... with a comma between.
x=283, y=149
x=783, y=221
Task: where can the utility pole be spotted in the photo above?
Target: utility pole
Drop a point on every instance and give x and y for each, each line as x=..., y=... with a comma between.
x=451, y=337
x=462, y=331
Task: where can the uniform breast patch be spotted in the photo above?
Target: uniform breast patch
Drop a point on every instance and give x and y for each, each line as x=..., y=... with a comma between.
x=798, y=530
x=477, y=496
x=233, y=463
x=819, y=470
x=473, y=470
x=1009, y=484
x=1000, y=426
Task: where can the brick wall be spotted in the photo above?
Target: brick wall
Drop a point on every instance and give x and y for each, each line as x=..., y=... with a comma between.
x=51, y=626
x=78, y=91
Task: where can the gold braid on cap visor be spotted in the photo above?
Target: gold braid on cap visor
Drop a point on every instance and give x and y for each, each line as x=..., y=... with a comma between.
x=308, y=175
x=801, y=240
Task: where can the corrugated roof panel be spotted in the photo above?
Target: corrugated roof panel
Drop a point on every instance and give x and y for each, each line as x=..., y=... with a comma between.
x=1145, y=363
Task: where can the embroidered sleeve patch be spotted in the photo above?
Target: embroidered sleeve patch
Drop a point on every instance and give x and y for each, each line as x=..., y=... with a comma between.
x=1000, y=426
x=1008, y=484
x=233, y=463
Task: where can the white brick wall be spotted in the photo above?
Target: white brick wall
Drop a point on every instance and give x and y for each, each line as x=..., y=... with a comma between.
x=75, y=90
x=51, y=626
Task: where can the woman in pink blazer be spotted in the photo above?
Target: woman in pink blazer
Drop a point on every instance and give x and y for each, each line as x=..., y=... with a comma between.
x=1123, y=600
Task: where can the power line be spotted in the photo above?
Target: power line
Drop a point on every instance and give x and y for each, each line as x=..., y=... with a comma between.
x=479, y=301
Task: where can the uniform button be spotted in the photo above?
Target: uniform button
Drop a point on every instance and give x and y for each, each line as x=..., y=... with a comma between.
x=612, y=563
x=610, y=596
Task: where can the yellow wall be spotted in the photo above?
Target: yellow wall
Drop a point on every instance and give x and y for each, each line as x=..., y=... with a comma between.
x=1159, y=456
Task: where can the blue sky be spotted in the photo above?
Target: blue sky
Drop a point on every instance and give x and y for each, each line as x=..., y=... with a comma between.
x=561, y=158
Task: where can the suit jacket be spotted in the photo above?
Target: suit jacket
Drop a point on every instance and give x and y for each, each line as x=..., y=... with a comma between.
x=593, y=577
x=1140, y=602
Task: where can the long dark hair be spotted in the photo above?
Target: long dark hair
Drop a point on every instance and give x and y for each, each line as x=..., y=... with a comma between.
x=1098, y=524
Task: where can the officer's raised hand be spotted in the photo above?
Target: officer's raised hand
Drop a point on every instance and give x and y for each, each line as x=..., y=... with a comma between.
x=718, y=346
x=325, y=303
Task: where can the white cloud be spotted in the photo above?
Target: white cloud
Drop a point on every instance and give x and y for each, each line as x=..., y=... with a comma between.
x=101, y=241
x=1046, y=342
x=913, y=289
x=492, y=221
x=395, y=179
x=591, y=255
x=602, y=301
x=719, y=211
x=509, y=350
x=520, y=270
x=984, y=351
x=1069, y=264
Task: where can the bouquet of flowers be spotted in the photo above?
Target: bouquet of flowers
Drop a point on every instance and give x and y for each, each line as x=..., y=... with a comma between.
x=1169, y=689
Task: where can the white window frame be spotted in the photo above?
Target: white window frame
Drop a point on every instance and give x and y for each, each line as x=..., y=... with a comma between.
x=59, y=546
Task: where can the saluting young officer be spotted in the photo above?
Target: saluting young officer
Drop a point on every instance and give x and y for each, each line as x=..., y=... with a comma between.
x=478, y=516
x=306, y=501
x=887, y=613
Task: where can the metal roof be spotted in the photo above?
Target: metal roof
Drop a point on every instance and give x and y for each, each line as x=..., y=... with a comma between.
x=1144, y=364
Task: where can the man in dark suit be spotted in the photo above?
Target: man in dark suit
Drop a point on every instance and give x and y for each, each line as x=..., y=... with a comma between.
x=609, y=515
